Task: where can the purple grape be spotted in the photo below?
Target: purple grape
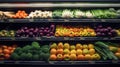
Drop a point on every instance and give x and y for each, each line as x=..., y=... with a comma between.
x=41, y=34
x=47, y=28
x=48, y=34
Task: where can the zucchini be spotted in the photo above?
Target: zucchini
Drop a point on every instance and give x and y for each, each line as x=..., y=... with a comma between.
x=113, y=56
x=101, y=52
x=101, y=44
x=108, y=54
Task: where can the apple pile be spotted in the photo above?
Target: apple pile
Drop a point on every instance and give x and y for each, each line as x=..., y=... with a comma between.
x=36, y=32
x=74, y=31
x=105, y=31
x=65, y=51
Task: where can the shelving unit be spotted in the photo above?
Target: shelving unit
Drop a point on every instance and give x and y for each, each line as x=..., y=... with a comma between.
x=12, y=4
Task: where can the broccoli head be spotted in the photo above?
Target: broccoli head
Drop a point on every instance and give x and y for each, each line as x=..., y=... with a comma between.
x=35, y=57
x=35, y=45
x=15, y=56
x=29, y=56
x=23, y=56
x=41, y=55
x=46, y=56
x=45, y=50
x=26, y=48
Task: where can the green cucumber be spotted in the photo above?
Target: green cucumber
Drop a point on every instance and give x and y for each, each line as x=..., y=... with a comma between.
x=101, y=44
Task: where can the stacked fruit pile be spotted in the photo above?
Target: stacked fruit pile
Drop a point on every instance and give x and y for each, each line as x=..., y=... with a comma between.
x=105, y=31
x=73, y=31
x=6, y=33
x=6, y=51
x=36, y=32
x=66, y=51
x=20, y=14
x=31, y=52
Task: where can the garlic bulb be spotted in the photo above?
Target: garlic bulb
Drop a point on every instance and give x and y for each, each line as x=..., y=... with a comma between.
x=89, y=14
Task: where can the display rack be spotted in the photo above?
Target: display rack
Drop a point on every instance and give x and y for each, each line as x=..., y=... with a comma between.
x=32, y=4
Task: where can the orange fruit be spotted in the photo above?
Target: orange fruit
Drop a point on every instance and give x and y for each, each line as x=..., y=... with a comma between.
x=53, y=51
x=73, y=57
x=4, y=47
x=60, y=45
x=78, y=46
x=7, y=56
x=90, y=46
x=59, y=56
x=10, y=48
x=117, y=54
x=79, y=52
x=88, y=57
x=92, y=51
x=81, y=57
x=66, y=57
x=59, y=51
x=53, y=57
x=6, y=51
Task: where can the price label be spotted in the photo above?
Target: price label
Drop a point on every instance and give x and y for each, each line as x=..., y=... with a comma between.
x=12, y=38
x=31, y=20
x=105, y=38
x=51, y=62
x=66, y=38
x=102, y=20
x=66, y=20
x=17, y=62
x=72, y=39
x=91, y=62
x=38, y=38
x=11, y=20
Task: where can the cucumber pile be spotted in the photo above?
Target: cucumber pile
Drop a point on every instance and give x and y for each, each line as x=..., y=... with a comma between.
x=104, y=51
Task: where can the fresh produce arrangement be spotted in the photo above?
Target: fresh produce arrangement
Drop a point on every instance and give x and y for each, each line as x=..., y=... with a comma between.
x=107, y=51
x=40, y=14
x=63, y=13
x=118, y=32
x=33, y=52
x=6, y=51
x=36, y=32
x=105, y=31
x=65, y=51
x=6, y=33
x=20, y=14
x=72, y=31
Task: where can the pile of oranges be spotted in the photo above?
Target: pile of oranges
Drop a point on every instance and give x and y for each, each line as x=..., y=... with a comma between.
x=20, y=14
x=6, y=51
x=65, y=51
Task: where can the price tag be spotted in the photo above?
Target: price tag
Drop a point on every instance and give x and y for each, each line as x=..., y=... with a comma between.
x=66, y=20
x=102, y=20
x=49, y=19
x=11, y=20
x=66, y=38
x=2, y=21
x=72, y=39
x=91, y=62
x=31, y=20
x=82, y=38
x=12, y=38
x=38, y=38
x=51, y=62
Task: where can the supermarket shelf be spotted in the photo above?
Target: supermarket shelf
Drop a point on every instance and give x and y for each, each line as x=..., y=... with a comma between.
x=25, y=62
x=59, y=1
x=59, y=20
x=59, y=62
x=82, y=62
x=24, y=5
x=52, y=38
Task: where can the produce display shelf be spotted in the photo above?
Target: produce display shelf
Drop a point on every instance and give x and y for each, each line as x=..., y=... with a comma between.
x=52, y=38
x=25, y=62
x=10, y=1
x=59, y=62
x=59, y=20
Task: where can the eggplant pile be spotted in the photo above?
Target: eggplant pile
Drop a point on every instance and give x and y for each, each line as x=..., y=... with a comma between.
x=105, y=31
x=35, y=32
